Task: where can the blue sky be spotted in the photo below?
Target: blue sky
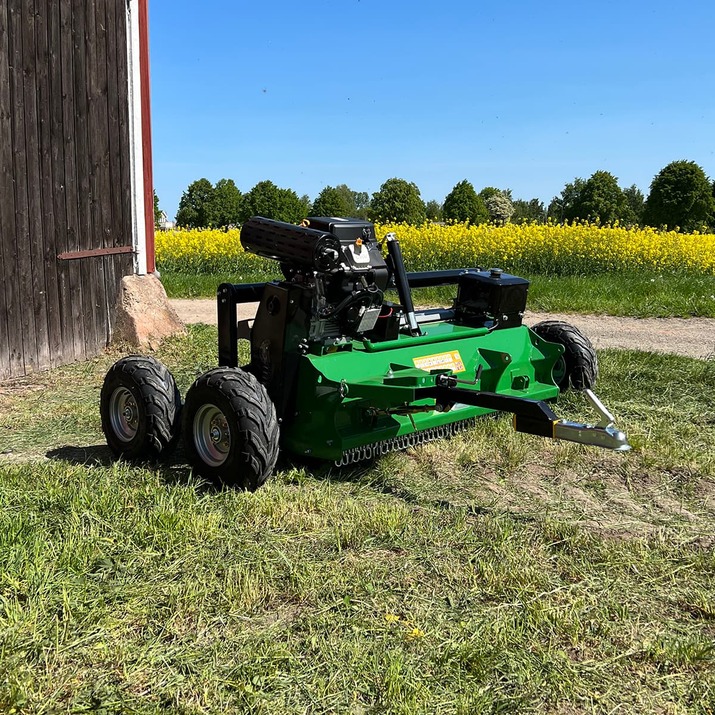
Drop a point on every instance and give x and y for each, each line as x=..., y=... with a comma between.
x=523, y=95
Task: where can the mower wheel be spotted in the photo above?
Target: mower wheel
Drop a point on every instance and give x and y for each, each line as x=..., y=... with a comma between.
x=140, y=406
x=230, y=428
x=578, y=366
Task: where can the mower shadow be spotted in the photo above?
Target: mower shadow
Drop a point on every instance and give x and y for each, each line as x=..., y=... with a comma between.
x=364, y=474
x=360, y=474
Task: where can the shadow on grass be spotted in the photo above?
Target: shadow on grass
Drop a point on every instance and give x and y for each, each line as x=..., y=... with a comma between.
x=96, y=455
x=172, y=470
x=365, y=474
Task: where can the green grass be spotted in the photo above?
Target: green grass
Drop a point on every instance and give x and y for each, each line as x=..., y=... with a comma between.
x=203, y=285
x=495, y=572
x=638, y=295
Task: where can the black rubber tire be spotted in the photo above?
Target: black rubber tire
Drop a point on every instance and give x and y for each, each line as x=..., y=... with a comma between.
x=578, y=367
x=230, y=428
x=140, y=406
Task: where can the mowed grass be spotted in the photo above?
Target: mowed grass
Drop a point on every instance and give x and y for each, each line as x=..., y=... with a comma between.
x=494, y=572
x=642, y=295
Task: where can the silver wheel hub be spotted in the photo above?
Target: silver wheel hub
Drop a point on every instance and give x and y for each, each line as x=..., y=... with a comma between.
x=124, y=414
x=212, y=436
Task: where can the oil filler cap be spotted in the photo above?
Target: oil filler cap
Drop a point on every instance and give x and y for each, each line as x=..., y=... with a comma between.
x=495, y=272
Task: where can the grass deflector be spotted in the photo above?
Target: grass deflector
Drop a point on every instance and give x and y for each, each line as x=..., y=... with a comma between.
x=339, y=372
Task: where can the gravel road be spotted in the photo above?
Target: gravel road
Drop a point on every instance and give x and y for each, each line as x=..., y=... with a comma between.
x=693, y=337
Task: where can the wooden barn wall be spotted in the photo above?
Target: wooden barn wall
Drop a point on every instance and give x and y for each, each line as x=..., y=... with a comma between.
x=64, y=178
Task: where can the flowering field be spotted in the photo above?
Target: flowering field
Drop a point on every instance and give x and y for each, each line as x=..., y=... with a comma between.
x=548, y=249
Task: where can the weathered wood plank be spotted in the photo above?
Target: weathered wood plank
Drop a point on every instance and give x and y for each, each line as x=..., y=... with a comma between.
x=117, y=237
x=58, y=182
x=124, y=264
x=84, y=56
x=101, y=142
x=36, y=275
x=74, y=300
x=11, y=356
x=45, y=195
x=116, y=95
x=123, y=118
x=22, y=218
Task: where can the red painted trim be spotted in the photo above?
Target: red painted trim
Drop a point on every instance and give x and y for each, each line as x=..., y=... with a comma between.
x=146, y=133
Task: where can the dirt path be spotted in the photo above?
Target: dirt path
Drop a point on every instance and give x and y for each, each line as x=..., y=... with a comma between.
x=693, y=337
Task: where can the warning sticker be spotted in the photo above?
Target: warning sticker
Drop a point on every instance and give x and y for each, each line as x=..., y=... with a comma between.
x=442, y=361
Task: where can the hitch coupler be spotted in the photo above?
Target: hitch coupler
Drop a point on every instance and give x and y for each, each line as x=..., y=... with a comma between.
x=603, y=434
x=532, y=416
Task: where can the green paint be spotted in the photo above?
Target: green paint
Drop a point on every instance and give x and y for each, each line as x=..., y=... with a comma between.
x=342, y=396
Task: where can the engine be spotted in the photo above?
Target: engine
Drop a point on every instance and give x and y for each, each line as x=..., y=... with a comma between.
x=335, y=271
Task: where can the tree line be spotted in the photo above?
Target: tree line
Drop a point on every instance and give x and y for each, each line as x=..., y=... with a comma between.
x=681, y=197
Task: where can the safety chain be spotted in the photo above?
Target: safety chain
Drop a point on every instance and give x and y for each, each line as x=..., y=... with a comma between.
x=415, y=439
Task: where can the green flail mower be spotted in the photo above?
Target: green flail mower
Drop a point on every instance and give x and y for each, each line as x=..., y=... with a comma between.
x=340, y=373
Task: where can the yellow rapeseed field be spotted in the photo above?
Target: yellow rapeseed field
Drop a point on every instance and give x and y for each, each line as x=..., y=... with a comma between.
x=550, y=249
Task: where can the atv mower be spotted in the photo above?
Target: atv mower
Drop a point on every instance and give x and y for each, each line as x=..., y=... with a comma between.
x=340, y=373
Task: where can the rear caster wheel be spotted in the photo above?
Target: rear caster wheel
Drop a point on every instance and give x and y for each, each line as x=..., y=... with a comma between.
x=578, y=366
x=140, y=406
x=230, y=428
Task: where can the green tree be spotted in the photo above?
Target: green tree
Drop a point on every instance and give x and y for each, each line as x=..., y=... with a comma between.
x=398, y=201
x=307, y=205
x=561, y=207
x=600, y=200
x=267, y=200
x=528, y=211
x=433, y=209
x=157, y=211
x=463, y=204
x=195, y=206
x=335, y=201
x=680, y=197
x=636, y=206
x=225, y=204
x=362, y=204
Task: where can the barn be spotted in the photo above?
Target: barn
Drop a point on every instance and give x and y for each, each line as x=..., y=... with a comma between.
x=76, y=196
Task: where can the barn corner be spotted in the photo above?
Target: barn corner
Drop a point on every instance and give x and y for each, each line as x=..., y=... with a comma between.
x=76, y=189
x=142, y=312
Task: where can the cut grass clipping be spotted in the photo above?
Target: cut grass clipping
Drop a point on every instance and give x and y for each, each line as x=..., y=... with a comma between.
x=495, y=572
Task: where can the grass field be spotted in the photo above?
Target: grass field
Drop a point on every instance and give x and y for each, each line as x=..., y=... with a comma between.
x=642, y=295
x=492, y=573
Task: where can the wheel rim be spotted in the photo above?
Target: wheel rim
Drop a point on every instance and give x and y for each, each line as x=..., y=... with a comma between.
x=212, y=436
x=124, y=414
x=558, y=372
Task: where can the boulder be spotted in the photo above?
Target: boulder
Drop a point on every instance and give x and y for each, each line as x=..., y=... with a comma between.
x=144, y=316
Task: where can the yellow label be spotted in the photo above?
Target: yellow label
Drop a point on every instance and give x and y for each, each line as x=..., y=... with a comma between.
x=442, y=361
